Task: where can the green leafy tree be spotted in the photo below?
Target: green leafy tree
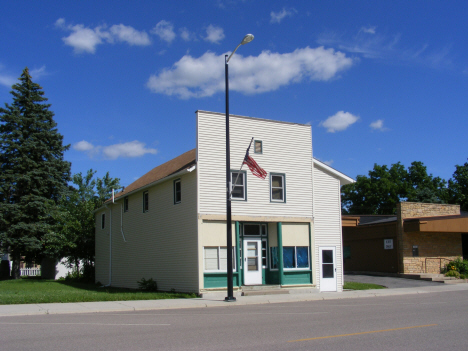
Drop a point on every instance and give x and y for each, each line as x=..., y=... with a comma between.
x=458, y=186
x=33, y=172
x=381, y=191
x=73, y=236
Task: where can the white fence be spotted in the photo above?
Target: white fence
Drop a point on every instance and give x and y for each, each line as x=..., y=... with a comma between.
x=30, y=272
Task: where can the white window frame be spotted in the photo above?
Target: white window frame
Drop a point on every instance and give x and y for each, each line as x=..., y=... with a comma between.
x=283, y=176
x=219, y=259
x=295, y=259
x=244, y=185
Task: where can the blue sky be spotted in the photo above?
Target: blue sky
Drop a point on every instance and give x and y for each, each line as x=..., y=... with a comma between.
x=380, y=82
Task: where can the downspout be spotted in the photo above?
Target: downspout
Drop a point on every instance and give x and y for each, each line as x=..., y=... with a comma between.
x=110, y=241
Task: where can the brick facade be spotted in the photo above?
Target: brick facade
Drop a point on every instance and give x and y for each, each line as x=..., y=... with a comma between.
x=435, y=249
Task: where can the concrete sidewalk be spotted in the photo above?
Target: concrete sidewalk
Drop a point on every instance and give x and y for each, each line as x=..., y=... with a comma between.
x=214, y=300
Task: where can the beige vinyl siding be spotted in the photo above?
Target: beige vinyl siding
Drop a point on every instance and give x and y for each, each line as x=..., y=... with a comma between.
x=102, y=248
x=287, y=149
x=161, y=243
x=327, y=220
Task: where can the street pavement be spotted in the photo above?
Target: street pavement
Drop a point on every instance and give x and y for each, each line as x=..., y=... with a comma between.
x=397, y=286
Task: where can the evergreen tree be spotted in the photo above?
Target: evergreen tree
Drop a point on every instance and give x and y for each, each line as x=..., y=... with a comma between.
x=33, y=172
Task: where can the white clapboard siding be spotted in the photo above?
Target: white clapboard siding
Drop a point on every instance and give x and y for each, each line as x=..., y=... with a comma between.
x=160, y=244
x=327, y=219
x=287, y=149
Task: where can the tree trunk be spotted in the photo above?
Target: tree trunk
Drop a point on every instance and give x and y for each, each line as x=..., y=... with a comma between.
x=15, y=269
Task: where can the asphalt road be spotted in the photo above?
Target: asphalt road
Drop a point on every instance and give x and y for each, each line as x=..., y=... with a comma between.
x=431, y=321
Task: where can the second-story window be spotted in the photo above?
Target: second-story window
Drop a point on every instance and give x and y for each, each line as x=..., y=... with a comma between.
x=177, y=191
x=126, y=204
x=277, y=187
x=145, y=201
x=258, y=147
x=239, y=188
x=103, y=221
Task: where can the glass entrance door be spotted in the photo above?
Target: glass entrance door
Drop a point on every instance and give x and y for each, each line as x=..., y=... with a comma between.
x=252, y=262
x=327, y=269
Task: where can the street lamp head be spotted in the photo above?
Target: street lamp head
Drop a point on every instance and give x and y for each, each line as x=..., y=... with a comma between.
x=247, y=39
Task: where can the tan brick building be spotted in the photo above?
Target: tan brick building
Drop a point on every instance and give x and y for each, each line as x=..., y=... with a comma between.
x=420, y=238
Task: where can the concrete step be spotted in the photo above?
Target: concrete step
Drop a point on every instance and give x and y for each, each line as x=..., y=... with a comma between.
x=260, y=287
x=265, y=292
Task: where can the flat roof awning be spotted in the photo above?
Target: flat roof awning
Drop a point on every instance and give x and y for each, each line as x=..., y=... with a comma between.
x=447, y=224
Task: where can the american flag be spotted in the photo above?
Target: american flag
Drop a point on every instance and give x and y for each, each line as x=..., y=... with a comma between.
x=254, y=167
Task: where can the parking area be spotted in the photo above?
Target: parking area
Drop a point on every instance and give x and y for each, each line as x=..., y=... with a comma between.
x=389, y=282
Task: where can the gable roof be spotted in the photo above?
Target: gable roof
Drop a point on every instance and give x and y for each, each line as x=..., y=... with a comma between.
x=343, y=178
x=180, y=163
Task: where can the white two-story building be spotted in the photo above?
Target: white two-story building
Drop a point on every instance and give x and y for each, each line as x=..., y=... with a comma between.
x=170, y=224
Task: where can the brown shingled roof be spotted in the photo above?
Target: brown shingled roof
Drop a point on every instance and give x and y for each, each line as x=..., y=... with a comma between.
x=175, y=165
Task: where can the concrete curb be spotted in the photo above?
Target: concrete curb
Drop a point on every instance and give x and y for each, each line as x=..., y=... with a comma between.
x=214, y=301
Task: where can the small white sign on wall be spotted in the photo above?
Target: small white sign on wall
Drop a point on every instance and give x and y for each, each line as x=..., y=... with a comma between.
x=388, y=244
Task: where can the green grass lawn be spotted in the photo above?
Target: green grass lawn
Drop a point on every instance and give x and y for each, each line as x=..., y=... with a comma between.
x=48, y=291
x=361, y=286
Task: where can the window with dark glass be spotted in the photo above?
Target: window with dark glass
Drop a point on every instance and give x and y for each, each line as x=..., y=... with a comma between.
x=277, y=185
x=177, y=191
x=126, y=204
x=145, y=201
x=254, y=229
x=238, y=185
x=103, y=221
x=264, y=254
x=294, y=257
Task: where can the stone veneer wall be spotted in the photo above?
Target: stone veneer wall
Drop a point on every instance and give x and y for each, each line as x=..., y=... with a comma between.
x=435, y=249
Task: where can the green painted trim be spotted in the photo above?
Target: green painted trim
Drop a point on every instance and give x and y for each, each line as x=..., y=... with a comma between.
x=238, y=258
x=218, y=280
x=280, y=252
x=297, y=277
x=310, y=254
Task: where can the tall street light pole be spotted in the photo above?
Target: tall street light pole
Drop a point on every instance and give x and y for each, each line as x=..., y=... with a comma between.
x=230, y=288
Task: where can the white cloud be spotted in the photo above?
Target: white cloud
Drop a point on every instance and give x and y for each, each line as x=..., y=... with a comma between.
x=130, y=35
x=126, y=150
x=368, y=30
x=339, y=121
x=370, y=44
x=83, y=145
x=214, y=34
x=378, y=125
x=38, y=72
x=85, y=40
x=186, y=35
x=165, y=31
x=277, y=17
x=329, y=162
x=192, y=77
x=7, y=80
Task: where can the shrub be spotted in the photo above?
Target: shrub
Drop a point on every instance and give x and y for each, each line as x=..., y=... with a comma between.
x=463, y=276
x=459, y=265
x=147, y=284
x=452, y=273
